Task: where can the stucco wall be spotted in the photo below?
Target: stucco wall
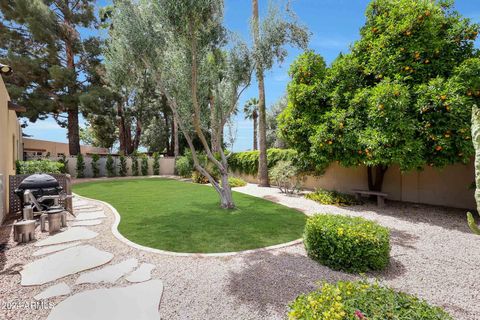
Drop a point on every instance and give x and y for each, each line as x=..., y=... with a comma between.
x=167, y=166
x=10, y=145
x=449, y=186
x=56, y=148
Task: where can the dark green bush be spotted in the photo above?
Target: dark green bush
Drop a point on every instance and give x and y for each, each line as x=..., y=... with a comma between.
x=110, y=165
x=247, y=162
x=144, y=165
x=347, y=243
x=156, y=163
x=38, y=166
x=122, y=166
x=94, y=164
x=362, y=300
x=135, y=169
x=80, y=166
x=332, y=198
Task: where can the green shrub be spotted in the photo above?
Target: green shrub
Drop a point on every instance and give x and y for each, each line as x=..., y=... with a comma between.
x=184, y=167
x=197, y=177
x=122, y=166
x=332, y=198
x=135, y=169
x=247, y=162
x=95, y=168
x=236, y=182
x=38, y=166
x=63, y=160
x=362, y=300
x=110, y=165
x=285, y=176
x=347, y=243
x=156, y=163
x=145, y=165
x=80, y=166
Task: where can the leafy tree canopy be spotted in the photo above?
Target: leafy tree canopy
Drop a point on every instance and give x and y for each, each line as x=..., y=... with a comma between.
x=403, y=95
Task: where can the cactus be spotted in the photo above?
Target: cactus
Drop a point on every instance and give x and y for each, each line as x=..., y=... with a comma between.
x=476, y=145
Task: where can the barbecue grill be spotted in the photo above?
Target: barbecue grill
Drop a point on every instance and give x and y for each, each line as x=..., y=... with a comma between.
x=40, y=193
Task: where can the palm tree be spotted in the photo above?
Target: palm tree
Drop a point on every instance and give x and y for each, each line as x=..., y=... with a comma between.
x=262, y=123
x=250, y=109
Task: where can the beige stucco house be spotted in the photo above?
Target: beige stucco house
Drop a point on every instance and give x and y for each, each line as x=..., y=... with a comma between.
x=10, y=143
x=34, y=148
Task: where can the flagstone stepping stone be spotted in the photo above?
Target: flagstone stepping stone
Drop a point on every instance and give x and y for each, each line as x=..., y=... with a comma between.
x=54, y=248
x=138, y=301
x=108, y=274
x=143, y=273
x=72, y=234
x=63, y=263
x=86, y=223
x=60, y=289
x=90, y=215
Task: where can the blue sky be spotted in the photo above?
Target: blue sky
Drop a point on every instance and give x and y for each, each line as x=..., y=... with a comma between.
x=334, y=25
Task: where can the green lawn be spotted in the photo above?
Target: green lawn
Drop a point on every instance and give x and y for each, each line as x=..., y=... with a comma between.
x=186, y=217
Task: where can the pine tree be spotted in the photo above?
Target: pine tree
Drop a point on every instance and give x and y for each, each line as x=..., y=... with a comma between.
x=55, y=66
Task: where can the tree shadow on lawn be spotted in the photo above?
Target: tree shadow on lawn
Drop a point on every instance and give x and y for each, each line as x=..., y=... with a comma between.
x=271, y=281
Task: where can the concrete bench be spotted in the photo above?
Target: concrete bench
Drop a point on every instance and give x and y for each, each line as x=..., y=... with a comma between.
x=380, y=196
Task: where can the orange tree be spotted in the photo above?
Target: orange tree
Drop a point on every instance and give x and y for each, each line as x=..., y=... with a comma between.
x=402, y=95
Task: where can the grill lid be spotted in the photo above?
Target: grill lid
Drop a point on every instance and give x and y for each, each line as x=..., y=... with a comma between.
x=37, y=181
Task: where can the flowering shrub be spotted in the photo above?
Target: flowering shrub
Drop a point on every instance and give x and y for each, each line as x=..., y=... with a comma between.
x=362, y=300
x=332, y=198
x=347, y=243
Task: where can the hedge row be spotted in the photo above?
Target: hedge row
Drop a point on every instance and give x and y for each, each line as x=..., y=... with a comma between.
x=247, y=162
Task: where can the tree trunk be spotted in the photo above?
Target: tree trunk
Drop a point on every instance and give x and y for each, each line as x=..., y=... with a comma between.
x=72, y=110
x=121, y=129
x=176, y=150
x=255, y=124
x=376, y=183
x=226, y=199
x=262, y=137
x=73, y=132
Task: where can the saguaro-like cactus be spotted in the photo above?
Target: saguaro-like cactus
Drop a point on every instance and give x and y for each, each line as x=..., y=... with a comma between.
x=476, y=145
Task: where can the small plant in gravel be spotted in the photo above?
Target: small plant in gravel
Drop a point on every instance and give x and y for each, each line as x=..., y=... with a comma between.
x=332, y=198
x=285, y=176
x=122, y=166
x=357, y=300
x=156, y=163
x=110, y=165
x=94, y=164
x=236, y=182
x=350, y=244
x=80, y=166
x=144, y=165
x=197, y=177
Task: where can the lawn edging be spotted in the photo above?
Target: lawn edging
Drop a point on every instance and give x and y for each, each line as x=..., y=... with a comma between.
x=130, y=243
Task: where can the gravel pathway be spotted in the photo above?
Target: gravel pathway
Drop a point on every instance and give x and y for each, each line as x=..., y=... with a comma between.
x=433, y=256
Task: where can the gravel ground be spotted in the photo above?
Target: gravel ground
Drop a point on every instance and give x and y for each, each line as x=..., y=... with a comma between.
x=433, y=256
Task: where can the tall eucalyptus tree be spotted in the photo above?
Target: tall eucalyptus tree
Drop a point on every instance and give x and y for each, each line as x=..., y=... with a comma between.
x=173, y=42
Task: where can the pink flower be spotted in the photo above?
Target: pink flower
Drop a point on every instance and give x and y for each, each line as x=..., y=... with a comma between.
x=359, y=314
